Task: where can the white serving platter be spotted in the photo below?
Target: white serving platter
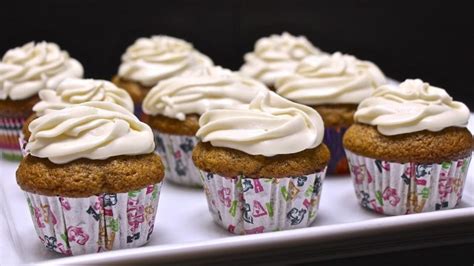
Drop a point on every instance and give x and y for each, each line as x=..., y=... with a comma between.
x=185, y=232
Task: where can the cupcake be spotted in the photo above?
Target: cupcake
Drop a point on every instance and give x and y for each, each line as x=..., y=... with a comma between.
x=334, y=85
x=24, y=71
x=174, y=106
x=91, y=179
x=276, y=56
x=150, y=60
x=74, y=91
x=262, y=166
x=409, y=149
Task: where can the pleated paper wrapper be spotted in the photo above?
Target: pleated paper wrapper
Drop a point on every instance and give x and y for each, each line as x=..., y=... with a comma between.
x=10, y=130
x=338, y=162
x=176, y=151
x=403, y=188
x=75, y=226
x=244, y=205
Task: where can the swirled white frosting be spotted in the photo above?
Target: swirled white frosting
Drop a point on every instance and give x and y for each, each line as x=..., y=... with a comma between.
x=200, y=90
x=93, y=130
x=150, y=60
x=75, y=91
x=26, y=70
x=410, y=107
x=270, y=125
x=276, y=56
x=331, y=79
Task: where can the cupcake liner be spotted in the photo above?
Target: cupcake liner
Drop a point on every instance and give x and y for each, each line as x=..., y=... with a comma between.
x=244, y=205
x=22, y=141
x=404, y=188
x=74, y=226
x=138, y=111
x=333, y=139
x=10, y=129
x=176, y=151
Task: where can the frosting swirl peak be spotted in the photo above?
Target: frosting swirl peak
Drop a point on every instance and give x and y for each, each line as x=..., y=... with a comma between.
x=200, y=90
x=276, y=56
x=331, y=79
x=93, y=130
x=75, y=91
x=269, y=126
x=410, y=107
x=150, y=60
x=26, y=70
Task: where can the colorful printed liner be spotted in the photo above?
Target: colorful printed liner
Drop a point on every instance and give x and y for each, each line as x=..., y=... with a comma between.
x=138, y=111
x=176, y=150
x=10, y=129
x=395, y=188
x=75, y=226
x=333, y=139
x=244, y=205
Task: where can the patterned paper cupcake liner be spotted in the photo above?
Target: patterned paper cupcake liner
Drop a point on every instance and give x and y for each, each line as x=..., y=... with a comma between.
x=138, y=111
x=22, y=143
x=245, y=205
x=10, y=129
x=394, y=188
x=75, y=226
x=176, y=151
x=333, y=139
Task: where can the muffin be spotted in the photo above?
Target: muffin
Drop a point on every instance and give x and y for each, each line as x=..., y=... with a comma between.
x=409, y=149
x=150, y=60
x=262, y=166
x=174, y=106
x=74, y=91
x=24, y=71
x=91, y=179
x=276, y=56
x=333, y=85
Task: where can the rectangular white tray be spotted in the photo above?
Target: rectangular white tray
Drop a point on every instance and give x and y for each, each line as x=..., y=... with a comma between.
x=185, y=232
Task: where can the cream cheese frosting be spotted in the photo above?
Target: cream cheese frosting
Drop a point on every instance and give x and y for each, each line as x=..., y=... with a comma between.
x=412, y=106
x=73, y=91
x=93, y=130
x=200, y=90
x=276, y=56
x=269, y=126
x=150, y=60
x=331, y=79
x=26, y=70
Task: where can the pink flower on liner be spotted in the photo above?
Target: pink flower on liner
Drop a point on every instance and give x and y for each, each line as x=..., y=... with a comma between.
x=445, y=186
x=77, y=234
x=359, y=173
x=65, y=203
x=391, y=195
x=224, y=196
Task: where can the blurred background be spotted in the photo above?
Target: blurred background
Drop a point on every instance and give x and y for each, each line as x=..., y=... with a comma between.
x=417, y=39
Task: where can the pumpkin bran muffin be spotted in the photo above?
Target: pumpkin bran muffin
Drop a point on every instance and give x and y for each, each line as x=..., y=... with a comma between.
x=409, y=149
x=136, y=90
x=13, y=108
x=334, y=85
x=262, y=166
x=85, y=177
x=96, y=184
x=174, y=106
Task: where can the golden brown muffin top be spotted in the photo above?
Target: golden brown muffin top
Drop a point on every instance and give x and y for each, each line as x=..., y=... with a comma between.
x=421, y=147
x=189, y=126
x=229, y=162
x=23, y=108
x=337, y=115
x=135, y=89
x=85, y=177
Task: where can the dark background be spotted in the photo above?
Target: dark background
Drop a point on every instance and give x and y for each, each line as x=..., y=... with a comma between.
x=432, y=40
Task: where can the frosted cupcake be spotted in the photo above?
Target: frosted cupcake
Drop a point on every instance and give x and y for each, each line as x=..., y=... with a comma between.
x=409, y=150
x=175, y=105
x=91, y=179
x=74, y=91
x=334, y=85
x=24, y=71
x=262, y=166
x=276, y=56
x=150, y=60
